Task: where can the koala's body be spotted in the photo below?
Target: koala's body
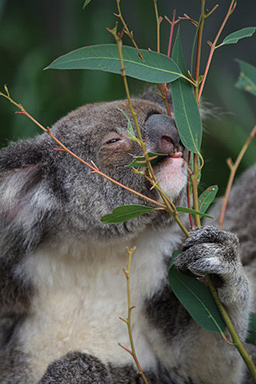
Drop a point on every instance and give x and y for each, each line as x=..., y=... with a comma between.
x=63, y=288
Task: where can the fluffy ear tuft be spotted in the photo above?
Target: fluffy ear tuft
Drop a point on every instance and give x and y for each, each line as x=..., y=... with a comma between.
x=26, y=204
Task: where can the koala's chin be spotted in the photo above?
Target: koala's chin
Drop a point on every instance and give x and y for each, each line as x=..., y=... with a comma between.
x=171, y=174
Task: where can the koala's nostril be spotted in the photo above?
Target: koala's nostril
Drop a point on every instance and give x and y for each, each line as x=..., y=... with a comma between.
x=166, y=145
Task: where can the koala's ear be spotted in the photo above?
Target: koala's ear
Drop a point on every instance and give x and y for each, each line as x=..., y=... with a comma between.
x=27, y=203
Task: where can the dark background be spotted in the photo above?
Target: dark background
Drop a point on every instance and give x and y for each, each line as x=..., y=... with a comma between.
x=33, y=33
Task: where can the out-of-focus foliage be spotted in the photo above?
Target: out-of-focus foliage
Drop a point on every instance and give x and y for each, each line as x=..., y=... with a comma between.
x=33, y=33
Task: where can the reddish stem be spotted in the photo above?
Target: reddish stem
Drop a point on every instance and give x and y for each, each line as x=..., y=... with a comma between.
x=173, y=22
x=213, y=46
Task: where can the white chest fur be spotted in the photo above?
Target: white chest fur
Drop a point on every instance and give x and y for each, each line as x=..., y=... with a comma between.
x=81, y=293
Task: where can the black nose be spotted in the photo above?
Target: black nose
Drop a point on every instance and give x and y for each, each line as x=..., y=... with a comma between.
x=162, y=134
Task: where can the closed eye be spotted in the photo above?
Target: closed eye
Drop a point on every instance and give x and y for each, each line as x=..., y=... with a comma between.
x=112, y=141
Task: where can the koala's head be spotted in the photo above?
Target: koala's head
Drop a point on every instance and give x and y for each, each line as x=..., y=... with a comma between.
x=47, y=193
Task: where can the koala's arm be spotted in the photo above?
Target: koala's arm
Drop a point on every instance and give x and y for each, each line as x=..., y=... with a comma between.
x=216, y=253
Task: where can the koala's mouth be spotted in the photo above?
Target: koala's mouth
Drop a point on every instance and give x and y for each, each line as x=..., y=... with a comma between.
x=157, y=158
x=160, y=158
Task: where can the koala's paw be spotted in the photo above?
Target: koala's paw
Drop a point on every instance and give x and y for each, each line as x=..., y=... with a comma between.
x=76, y=368
x=210, y=251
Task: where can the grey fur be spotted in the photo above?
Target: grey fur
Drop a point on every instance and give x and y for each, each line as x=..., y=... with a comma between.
x=240, y=218
x=53, y=245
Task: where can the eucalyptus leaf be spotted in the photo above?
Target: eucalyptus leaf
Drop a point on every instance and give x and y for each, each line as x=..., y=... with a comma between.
x=140, y=161
x=192, y=211
x=177, y=54
x=186, y=111
x=234, y=37
x=247, y=78
x=207, y=197
x=187, y=115
x=86, y=3
x=197, y=299
x=130, y=129
x=155, y=68
x=251, y=333
x=125, y=212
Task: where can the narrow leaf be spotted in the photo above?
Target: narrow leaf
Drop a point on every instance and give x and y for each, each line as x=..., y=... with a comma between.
x=156, y=67
x=185, y=107
x=234, y=37
x=125, y=212
x=140, y=161
x=207, y=197
x=251, y=335
x=86, y=3
x=192, y=211
x=247, y=78
x=130, y=129
x=197, y=299
x=187, y=115
x=177, y=54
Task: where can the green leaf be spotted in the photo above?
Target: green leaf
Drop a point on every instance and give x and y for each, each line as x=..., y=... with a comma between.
x=187, y=115
x=234, y=37
x=197, y=299
x=192, y=211
x=130, y=129
x=207, y=197
x=177, y=54
x=247, y=78
x=86, y=3
x=125, y=212
x=156, y=67
x=140, y=161
x=251, y=335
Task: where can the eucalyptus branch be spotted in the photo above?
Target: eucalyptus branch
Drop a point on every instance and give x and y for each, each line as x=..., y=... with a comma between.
x=233, y=169
x=126, y=29
x=199, y=48
x=158, y=23
x=172, y=23
x=163, y=93
x=236, y=340
x=194, y=178
x=214, y=46
x=128, y=320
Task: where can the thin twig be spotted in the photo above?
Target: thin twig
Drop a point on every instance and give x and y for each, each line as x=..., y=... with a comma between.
x=128, y=321
x=213, y=46
x=172, y=23
x=236, y=339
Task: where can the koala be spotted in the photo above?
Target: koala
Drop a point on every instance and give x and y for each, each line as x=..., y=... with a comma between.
x=63, y=289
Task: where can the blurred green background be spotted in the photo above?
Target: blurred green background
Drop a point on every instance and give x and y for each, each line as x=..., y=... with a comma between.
x=33, y=33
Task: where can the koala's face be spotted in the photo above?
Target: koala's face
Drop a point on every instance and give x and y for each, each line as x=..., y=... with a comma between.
x=50, y=193
x=99, y=133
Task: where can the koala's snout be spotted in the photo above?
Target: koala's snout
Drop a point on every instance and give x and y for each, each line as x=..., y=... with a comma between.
x=162, y=134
